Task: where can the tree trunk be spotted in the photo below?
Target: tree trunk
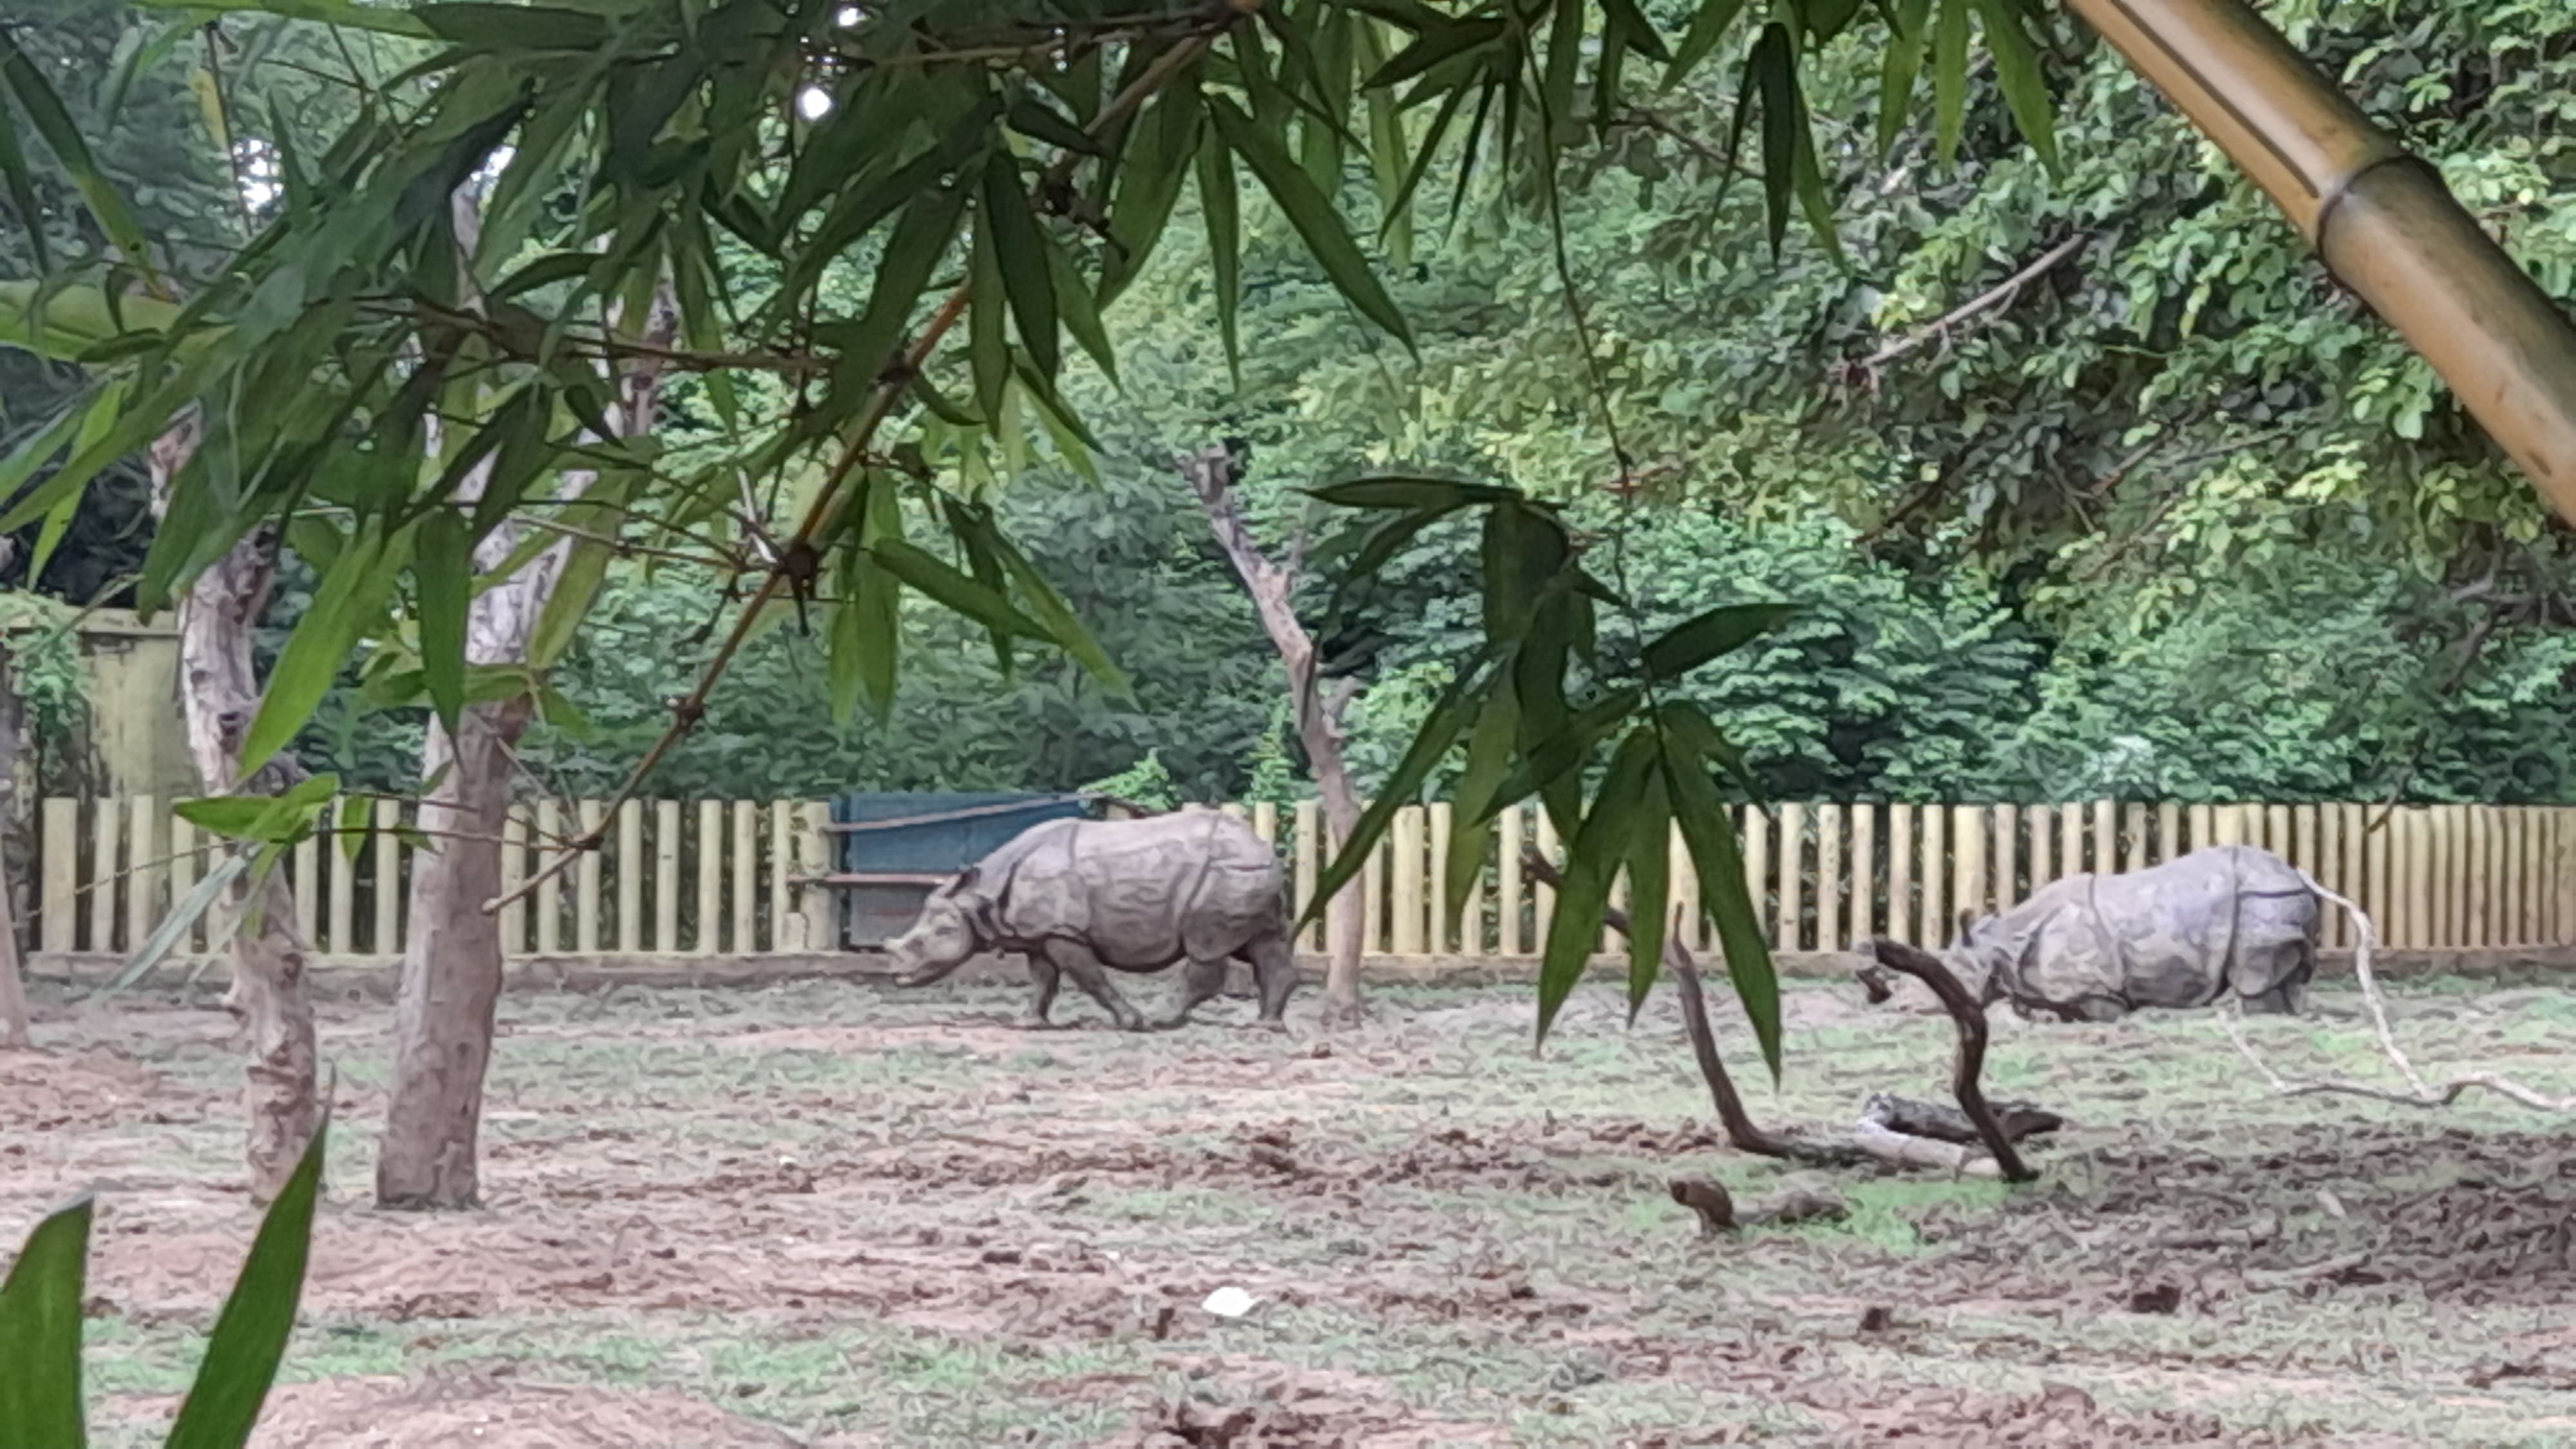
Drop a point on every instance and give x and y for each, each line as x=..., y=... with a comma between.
x=220, y=691
x=1320, y=707
x=452, y=967
x=13, y=986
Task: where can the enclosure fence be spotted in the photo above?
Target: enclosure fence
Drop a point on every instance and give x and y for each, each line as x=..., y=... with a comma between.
x=738, y=877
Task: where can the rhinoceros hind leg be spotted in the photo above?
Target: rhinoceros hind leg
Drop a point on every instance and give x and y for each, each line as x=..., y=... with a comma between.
x=1274, y=968
x=1077, y=961
x=1044, y=978
x=1200, y=981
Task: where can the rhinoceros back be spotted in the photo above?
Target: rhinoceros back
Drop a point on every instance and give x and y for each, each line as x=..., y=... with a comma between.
x=2177, y=935
x=1141, y=893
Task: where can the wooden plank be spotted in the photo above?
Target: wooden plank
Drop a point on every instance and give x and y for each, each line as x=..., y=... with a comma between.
x=1306, y=867
x=2136, y=823
x=666, y=875
x=58, y=915
x=2303, y=840
x=2106, y=837
x=2043, y=847
x=746, y=878
x=144, y=869
x=1443, y=931
x=1936, y=858
x=2378, y=832
x=308, y=884
x=2477, y=920
x=1544, y=902
x=2070, y=841
x=1471, y=913
x=782, y=867
x=1407, y=872
x=586, y=873
x=2204, y=829
x=2422, y=924
x=2442, y=865
x=2562, y=864
x=2330, y=873
x=2511, y=847
x=1967, y=861
x=1864, y=872
x=344, y=895
x=549, y=900
x=1510, y=887
x=2004, y=862
x=514, y=871
x=1830, y=935
x=183, y=879
x=385, y=846
x=1788, y=926
x=1900, y=872
x=2464, y=869
x=628, y=870
x=710, y=844
x=814, y=848
x=1373, y=897
x=1757, y=868
x=2168, y=831
x=1265, y=823
x=105, y=821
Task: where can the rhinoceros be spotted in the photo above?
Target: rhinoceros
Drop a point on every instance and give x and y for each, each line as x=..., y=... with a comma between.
x=1075, y=896
x=2229, y=918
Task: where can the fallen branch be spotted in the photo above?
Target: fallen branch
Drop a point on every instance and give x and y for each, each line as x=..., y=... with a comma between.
x=1970, y=1063
x=1949, y=1124
x=2418, y=1093
x=1994, y=298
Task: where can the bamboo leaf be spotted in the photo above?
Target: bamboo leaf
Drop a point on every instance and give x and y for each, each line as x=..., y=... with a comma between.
x=95, y=419
x=1080, y=313
x=40, y=1332
x=174, y=926
x=1949, y=77
x=39, y=449
x=1410, y=491
x=920, y=236
x=1315, y=219
x=1221, y=205
x=866, y=640
x=258, y=1316
x=1062, y=625
x=1897, y=71
x=1551, y=761
x=1708, y=27
x=1650, y=872
x=1454, y=38
x=1701, y=638
x=443, y=576
x=1710, y=836
x=1451, y=715
x=383, y=19
x=2017, y=74
x=1598, y=847
x=1021, y=248
x=1772, y=72
x=347, y=601
x=988, y=337
x=1489, y=758
x=46, y=113
x=925, y=571
x=22, y=190
x=1149, y=180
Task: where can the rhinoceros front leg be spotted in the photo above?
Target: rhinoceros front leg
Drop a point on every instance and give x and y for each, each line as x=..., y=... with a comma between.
x=1044, y=978
x=1077, y=961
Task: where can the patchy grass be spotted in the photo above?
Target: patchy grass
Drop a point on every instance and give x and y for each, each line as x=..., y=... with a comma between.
x=829, y=1213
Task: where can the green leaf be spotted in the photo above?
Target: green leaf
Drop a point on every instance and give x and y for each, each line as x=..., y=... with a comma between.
x=40, y=1333
x=258, y=1317
x=46, y=113
x=866, y=625
x=1434, y=45
x=1489, y=758
x=1316, y=220
x=1021, y=247
x=509, y=28
x=585, y=566
x=2017, y=74
x=39, y=449
x=1638, y=31
x=1949, y=78
x=1035, y=119
x=1650, y=879
x=1697, y=640
x=988, y=338
x=1710, y=834
x=934, y=576
x=1221, y=205
x=1062, y=625
x=96, y=418
x=1410, y=491
x=174, y=926
x=1574, y=927
x=1450, y=716
x=1708, y=26
x=443, y=576
x=1551, y=761
x=1081, y=315
x=1149, y=180
x=1772, y=71
x=346, y=602
x=383, y=19
x=22, y=190
x=1897, y=71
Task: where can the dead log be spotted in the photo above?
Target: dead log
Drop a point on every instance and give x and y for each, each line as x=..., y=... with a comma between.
x=1949, y=1124
x=1970, y=1063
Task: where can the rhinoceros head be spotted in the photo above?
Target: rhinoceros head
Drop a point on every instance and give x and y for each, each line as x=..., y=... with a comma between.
x=945, y=934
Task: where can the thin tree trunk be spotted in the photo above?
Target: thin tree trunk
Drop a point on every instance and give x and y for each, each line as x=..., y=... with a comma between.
x=452, y=966
x=13, y=986
x=221, y=694
x=1320, y=708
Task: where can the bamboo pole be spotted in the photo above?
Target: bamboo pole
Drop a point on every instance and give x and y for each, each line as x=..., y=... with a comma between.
x=2381, y=219
x=1900, y=873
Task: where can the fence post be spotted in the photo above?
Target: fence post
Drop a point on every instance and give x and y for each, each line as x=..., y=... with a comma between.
x=1309, y=846
x=387, y=840
x=1508, y=884
x=143, y=877
x=2330, y=867
x=104, y=819
x=549, y=904
x=2043, y=846
x=1791, y=872
x=2133, y=838
x=1684, y=875
x=1373, y=895
x=629, y=867
x=2516, y=925
x=666, y=875
x=1936, y=860
x=2168, y=832
x=2006, y=864
x=746, y=877
x=2562, y=861
x=2478, y=926
x=1405, y=893
x=1543, y=909
x=782, y=864
x=183, y=879
x=344, y=894
x=1829, y=877
x=1443, y=821
x=586, y=880
x=1757, y=867
x=307, y=882
x=819, y=900
x=514, y=872
x=1968, y=861
x=1864, y=871
x=710, y=875
x=1900, y=872
x=62, y=874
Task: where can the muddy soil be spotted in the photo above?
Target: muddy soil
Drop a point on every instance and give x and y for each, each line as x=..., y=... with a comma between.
x=838, y=1214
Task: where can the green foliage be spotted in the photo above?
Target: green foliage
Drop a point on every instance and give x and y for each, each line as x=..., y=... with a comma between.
x=41, y=1405
x=1144, y=783
x=43, y=659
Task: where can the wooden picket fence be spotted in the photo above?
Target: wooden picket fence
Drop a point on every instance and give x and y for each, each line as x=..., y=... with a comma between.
x=734, y=877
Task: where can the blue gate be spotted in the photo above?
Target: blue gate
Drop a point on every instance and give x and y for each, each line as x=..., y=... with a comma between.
x=893, y=849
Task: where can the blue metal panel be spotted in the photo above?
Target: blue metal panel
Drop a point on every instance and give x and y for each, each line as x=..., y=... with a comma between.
x=913, y=841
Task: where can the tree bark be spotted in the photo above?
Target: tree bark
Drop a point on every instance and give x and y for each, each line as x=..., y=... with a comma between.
x=220, y=693
x=1211, y=474
x=452, y=966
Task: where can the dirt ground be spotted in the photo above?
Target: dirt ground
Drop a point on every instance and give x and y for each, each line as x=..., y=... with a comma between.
x=831, y=1213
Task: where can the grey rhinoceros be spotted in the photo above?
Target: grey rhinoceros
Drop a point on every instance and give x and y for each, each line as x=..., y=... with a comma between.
x=1075, y=896
x=2230, y=918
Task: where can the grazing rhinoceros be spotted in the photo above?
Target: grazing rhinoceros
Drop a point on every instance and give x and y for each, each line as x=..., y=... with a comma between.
x=1074, y=896
x=2181, y=934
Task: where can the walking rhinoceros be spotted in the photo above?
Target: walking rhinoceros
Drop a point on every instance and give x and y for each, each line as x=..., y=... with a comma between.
x=1074, y=896
x=2181, y=934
